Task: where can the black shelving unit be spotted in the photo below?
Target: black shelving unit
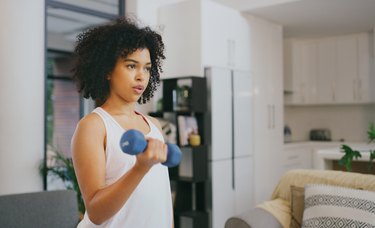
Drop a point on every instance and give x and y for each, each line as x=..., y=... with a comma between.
x=189, y=179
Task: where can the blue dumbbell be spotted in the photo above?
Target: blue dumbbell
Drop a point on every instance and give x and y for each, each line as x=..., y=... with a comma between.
x=133, y=142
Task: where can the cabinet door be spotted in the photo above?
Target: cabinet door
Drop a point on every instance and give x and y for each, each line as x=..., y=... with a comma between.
x=297, y=158
x=346, y=84
x=220, y=100
x=364, y=84
x=239, y=33
x=309, y=71
x=181, y=32
x=304, y=72
x=326, y=71
x=243, y=114
x=215, y=39
x=243, y=184
x=222, y=192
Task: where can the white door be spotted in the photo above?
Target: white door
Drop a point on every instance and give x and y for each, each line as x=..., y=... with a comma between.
x=220, y=100
x=243, y=184
x=222, y=192
x=243, y=114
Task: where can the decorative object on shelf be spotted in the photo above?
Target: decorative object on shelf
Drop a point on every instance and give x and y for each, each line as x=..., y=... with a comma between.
x=62, y=167
x=186, y=126
x=194, y=139
x=169, y=131
x=183, y=94
x=351, y=154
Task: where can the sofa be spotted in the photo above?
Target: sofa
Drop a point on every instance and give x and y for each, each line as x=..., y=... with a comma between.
x=287, y=206
x=57, y=209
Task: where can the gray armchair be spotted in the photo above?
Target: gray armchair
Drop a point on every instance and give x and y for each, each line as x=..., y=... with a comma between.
x=255, y=218
x=39, y=209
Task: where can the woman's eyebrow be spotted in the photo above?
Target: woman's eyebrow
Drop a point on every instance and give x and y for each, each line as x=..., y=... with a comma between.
x=135, y=61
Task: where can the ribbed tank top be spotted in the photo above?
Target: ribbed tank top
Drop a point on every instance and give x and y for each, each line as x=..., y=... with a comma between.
x=150, y=205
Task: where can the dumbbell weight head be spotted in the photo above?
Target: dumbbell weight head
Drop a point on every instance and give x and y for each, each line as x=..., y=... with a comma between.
x=174, y=155
x=133, y=142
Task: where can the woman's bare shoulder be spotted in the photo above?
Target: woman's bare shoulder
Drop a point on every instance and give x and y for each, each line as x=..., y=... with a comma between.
x=91, y=122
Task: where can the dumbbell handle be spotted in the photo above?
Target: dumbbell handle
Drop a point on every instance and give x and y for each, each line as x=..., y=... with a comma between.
x=133, y=142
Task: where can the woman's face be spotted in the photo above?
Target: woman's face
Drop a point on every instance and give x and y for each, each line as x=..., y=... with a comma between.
x=130, y=76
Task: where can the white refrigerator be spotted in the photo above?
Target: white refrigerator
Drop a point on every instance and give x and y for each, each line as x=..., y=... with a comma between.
x=230, y=137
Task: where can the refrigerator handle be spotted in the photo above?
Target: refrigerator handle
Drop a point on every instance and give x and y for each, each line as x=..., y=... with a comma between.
x=233, y=138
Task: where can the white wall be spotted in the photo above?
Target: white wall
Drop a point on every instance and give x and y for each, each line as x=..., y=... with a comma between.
x=21, y=95
x=349, y=122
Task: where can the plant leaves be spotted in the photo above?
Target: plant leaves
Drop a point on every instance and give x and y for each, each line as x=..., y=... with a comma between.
x=371, y=132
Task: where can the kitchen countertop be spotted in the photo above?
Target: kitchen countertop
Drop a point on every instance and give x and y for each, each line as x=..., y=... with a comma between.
x=329, y=145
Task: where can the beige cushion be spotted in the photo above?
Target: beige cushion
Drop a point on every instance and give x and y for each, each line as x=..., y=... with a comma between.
x=297, y=206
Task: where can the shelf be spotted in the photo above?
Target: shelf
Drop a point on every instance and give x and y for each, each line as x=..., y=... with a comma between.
x=193, y=167
x=197, y=99
x=192, y=219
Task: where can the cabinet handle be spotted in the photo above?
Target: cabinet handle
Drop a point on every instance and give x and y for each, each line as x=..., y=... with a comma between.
x=302, y=86
x=269, y=116
x=359, y=89
x=292, y=157
x=229, y=52
x=233, y=53
x=354, y=89
x=273, y=116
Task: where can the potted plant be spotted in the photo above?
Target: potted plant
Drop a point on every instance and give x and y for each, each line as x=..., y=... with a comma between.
x=350, y=154
x=62, y=167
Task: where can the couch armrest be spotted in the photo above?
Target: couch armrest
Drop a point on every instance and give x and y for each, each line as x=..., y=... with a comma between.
x=255, y=218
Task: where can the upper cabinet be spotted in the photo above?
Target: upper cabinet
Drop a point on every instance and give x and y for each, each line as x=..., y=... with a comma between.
x=333, y=70
x=198, y=34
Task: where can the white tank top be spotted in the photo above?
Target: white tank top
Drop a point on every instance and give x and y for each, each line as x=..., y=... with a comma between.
x=150, y=205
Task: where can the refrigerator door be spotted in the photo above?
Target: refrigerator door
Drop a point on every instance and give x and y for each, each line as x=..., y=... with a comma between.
x=223, y=195
x=220, y=109
x=242, y=111
x=243, y=184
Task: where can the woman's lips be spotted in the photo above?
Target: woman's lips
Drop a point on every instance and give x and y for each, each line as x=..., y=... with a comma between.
x=138, y=89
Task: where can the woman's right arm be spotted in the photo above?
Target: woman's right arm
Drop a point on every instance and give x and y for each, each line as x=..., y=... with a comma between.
x=88, y=152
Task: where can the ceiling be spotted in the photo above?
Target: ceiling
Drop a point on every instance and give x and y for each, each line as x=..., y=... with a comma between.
x=312, y=18
x=64, y=25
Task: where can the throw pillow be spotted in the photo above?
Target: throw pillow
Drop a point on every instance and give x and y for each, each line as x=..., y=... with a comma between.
x=297, y=205
x=333, y=206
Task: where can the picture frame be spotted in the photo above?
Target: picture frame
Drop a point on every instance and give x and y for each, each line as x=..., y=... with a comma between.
x=186, y=126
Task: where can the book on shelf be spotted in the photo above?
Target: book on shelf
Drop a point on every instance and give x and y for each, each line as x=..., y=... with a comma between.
x=186, y=126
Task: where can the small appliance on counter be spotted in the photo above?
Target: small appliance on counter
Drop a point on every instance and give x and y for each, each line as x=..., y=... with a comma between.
x=287, y=134
x=322, y=134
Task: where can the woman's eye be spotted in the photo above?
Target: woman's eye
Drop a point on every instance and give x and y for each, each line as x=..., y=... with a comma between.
x=131, y=66
x=148, y=69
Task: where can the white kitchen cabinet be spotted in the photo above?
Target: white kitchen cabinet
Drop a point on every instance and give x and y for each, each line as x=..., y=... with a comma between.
x=266, y=55
x=334, y=70
x=325, y=78
x=199, y=34
x=365, y=82
x=297, y=158
x=346, y=69
x=302, y=75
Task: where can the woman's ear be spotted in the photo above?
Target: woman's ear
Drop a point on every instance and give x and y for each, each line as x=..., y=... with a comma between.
x=108, y=77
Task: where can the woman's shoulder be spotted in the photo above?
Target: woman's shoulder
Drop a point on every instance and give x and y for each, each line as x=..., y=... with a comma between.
x=91, y=122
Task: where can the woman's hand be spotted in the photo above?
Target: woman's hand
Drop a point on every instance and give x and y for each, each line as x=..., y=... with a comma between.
x=156, y=152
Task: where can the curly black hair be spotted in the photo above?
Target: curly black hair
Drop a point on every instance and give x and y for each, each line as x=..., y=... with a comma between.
x=99, y=48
